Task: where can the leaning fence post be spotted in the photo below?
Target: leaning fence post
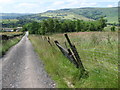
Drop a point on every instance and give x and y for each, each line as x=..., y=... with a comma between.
x=75, y=53
x=49, y=41
x=67, y=53
x=74, y=61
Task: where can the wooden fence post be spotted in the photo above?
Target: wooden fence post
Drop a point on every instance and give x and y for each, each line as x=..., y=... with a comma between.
x=74, y=50
x=74, y=61
x=49, y=41
x=67, y=53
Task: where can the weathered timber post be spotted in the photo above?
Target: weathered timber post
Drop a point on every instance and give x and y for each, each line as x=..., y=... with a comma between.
x=75, y=53
x=67, y=53
x=74, y=61
x=45, y=38
x=49, y=41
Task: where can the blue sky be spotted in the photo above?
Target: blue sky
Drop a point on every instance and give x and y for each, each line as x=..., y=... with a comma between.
x=38, y=6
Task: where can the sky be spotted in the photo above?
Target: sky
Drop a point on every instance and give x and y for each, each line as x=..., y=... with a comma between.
x=39, y=6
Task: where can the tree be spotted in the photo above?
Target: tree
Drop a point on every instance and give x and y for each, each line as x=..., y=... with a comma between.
x=64, y=27
x=91, y=27
x=44, y=27
x=78, y=25
x=102, y=23
x=51, y=25
x=57, y=25
x=113, y=28
x=54, y=25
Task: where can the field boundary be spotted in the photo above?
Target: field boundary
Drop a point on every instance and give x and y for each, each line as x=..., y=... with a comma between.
x=71, y=54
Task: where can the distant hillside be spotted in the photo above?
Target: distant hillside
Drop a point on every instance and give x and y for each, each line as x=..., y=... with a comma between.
x=35, y=17
x=111, y=14
x=64, y=14
x=11, y=15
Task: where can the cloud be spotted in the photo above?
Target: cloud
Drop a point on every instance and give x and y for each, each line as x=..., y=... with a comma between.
x=1, y=9
x=6, y=1
x=88, y=4
x=109, y=5
x=28, y=8
x=28, y=5
x=58, y=3
x=44, y=5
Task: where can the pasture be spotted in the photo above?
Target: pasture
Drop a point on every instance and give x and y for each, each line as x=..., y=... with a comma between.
x=98, y=52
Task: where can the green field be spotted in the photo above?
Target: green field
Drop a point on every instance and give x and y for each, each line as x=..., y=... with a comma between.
x=65, y=15
x=6, y=21
x=98, y=52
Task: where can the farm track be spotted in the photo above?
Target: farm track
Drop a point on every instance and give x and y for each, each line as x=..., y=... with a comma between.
x=21, y=68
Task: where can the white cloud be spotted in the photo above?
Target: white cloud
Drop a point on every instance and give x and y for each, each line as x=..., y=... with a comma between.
x=44, y=5
x=111, y=0
x=0, y=9
x=79, y=4
x=109, y=5
x=58, y=3
x=28, y=5
x=85, y=4
x=26, y=8
x=6, y=1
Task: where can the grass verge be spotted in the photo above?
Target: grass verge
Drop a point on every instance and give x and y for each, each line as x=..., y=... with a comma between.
x=6, y=44
x=99, y=54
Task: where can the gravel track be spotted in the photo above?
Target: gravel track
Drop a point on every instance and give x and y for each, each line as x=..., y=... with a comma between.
x=21, y=68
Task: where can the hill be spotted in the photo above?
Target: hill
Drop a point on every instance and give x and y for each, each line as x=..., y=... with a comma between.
x=111, y=14
x=11, y=15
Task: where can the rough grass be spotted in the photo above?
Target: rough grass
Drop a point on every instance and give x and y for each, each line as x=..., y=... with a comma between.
x=99, y=54
x=6, y=44
x=10, y=33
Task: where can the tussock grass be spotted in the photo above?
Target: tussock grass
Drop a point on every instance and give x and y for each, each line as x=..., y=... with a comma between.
x=99, y=54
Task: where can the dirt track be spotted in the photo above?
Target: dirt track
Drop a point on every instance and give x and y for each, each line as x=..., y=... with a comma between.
x=21, y=68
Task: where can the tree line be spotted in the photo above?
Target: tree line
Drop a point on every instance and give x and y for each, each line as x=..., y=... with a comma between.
x=52, y=25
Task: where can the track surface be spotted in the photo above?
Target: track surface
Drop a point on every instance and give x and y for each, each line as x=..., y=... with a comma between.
x=21, y=68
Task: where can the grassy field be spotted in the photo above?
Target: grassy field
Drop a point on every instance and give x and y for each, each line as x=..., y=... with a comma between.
x=10, y=33
x=6, y=44
x=98, y=52
x=6, y=21
x=68, y=15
